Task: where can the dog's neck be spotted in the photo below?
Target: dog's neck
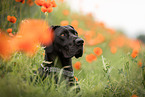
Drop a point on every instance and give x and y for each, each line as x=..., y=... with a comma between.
x=58, y=60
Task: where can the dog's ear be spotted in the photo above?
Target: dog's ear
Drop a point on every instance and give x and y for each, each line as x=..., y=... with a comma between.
x=70, y=26
x=53, y=27
x=49, y=48
x=79, y=55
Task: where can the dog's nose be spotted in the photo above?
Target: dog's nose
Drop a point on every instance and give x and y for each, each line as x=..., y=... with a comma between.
x=79, y=41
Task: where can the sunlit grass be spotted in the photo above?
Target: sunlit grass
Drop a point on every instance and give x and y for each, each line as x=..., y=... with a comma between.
x=110, y=75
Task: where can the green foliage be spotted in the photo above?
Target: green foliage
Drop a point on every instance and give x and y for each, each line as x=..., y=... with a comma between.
x=111, y=75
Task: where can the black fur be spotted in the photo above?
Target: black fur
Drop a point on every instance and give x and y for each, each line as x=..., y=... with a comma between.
x=65, y=45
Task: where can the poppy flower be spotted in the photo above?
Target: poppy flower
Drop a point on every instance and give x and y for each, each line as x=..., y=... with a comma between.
x=24, y=40
x=47, y=7
x=134, y=53
x=80, y=31
x=43, y=9
x=26, y=45
x=22, y=1
x=39, y=2
x=98, y=39
x=5, y=46
x=120, y=41
x=98, y=51
x=74, y=23
x=50, y=9
x=64, y=23
x=47, y=4
x=89, y=35
x=39, y=31
x=65, y=12
x=30, y=2
x=9, y=30
x=113, y=50
x=134, y=44
x=134, y=95
x=61, y=0
x=53, y=3
x=0, y=32
x=101, y=24
x=77, y=65
x=29, y=42
x=90, y=58
x=76, y=78
x=140, y=63
x=111, y=31
x=11, y=19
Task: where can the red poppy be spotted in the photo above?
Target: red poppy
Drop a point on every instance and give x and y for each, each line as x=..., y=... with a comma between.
x=74, y=23
x=64, y=23
x=80, y=31
x=76, y=78
x=43, y=9
x=90, y=58
x=65, y=12
x=30, y=2
x=53, y=3
x=39, y=2
x=113, y=50
x=29, y=41
x=98, y=39
x=39, y=31
x=77, y=65
x=47, y=4
x=134, y=53
x=140, y=63
x=9, y=30
x=50, y=9
x=98, y=51
x=11, y=19
x=22, y=1
x=24, y=40
x=5, y=46
x=61, y=0
x=134, y=95
x=111, y=31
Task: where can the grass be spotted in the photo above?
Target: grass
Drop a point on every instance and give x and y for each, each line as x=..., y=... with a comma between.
x=122, y=78
x=111, y=75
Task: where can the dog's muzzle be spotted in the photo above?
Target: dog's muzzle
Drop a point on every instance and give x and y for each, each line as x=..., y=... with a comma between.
x=79, y=42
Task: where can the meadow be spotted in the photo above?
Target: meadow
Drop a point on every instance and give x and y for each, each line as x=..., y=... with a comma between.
x=112, y=64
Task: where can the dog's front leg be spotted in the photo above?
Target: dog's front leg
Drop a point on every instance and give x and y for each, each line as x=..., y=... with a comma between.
x=67, y=65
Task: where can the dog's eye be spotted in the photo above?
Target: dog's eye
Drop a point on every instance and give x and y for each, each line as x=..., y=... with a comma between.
x=62, y=34
x=76, y=34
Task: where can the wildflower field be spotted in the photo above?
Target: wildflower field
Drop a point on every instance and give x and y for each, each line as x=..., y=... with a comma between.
x=112, y=64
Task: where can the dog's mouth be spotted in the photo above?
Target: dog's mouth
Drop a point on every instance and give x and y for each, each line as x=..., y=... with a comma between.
x=79, y=53
x=72, y=51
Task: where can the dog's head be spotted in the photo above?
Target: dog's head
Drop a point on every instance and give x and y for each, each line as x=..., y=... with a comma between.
x=66, y=42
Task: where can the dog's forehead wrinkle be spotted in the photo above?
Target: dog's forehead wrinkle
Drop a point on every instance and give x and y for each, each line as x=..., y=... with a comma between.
x=59, y=30
x=69, y=29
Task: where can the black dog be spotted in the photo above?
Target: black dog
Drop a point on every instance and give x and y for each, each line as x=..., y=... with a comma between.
x=66, y=44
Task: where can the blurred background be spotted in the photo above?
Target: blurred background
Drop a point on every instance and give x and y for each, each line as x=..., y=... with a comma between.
x=125, y=15
x=113, y=63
